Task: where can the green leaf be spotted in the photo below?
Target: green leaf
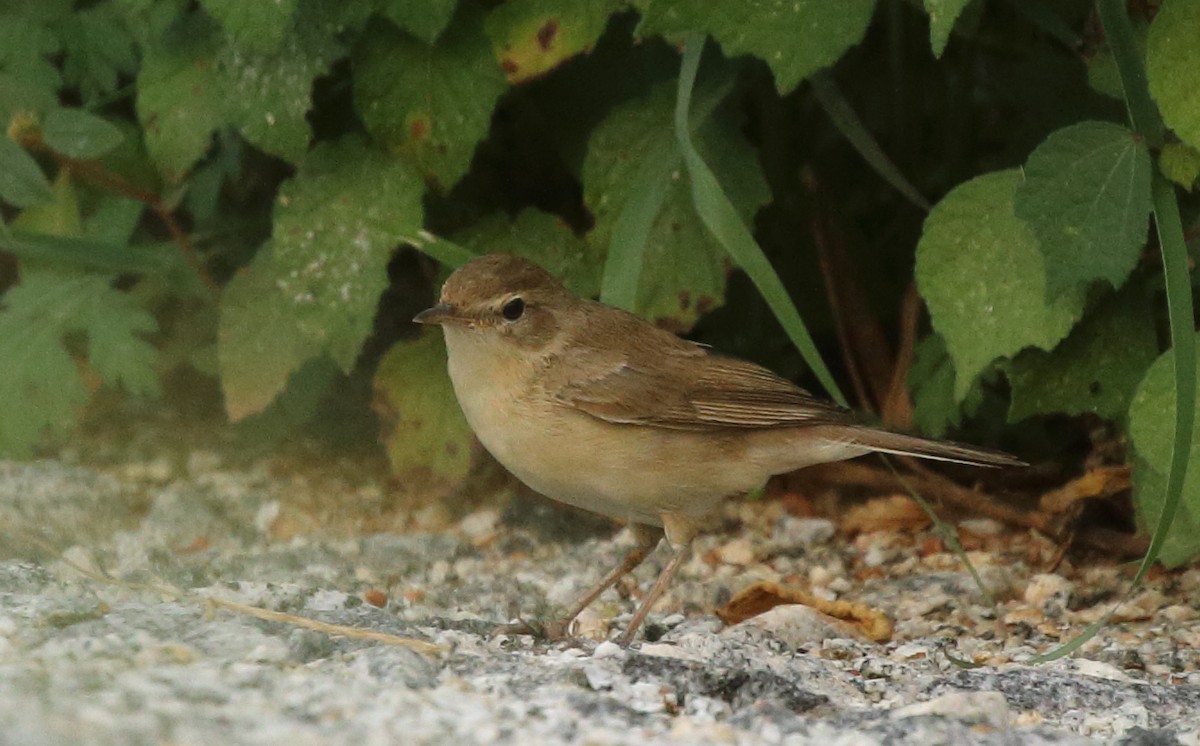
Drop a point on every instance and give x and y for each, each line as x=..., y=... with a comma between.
x=1152, y=433
x=99, y=51
x=424, y=19
x=180, y=101
x=22, y=183
x=19, y=94
x=1149, y=486
x=942, y=15
x=296, y=405
x=1095, y=369
x=427, y=439
x=545, y=239
x=256, y=26
x=1173, y=67
x=685, y=267
x=114, y=219
x=29, y=81
x=931, y=381
x=532, y=37
x=260, y=342
x=77, y=134
x=196, y=80
x=795, y=39
x=314, y=288
x=58, y=217
x=267, y=96
x=431, y=105
x=41, y=387
x=631, y=229
x=1086, y=195
x=1181, y=164
x=979, y=269
x=1103, y=76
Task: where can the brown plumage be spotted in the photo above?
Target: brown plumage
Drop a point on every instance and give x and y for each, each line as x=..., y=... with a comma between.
x=598, y=408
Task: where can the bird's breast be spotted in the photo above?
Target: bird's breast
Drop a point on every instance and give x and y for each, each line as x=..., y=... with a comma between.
x=629, y=472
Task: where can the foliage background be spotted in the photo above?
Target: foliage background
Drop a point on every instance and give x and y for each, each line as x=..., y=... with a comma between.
x=259, y=195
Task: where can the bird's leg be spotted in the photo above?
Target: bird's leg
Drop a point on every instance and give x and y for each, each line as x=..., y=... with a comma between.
x=647, y=539
x=680, y=531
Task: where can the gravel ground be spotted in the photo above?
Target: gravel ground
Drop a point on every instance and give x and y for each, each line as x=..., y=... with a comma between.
x=128, y=602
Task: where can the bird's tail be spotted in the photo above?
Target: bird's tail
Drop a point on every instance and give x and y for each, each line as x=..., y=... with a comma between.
x=937, y=450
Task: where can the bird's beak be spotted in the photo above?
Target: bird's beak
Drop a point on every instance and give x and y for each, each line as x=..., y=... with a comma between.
x=439, y=314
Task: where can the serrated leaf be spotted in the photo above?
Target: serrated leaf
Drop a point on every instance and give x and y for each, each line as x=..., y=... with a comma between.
x=1181, y=164
x=180, y=101
x=532, y=37
x=795, y=39
x=427, y=438
x=1173, y=67
x=78, y=134
x=1095, y=369
x=41, y=387
x=268, y=95
x=314, y=288
x=1086, y=195
x=99, y=50
x=424, y=19
x=979, y=269
x=942, y=15
x=684, y=267
x=29, y=81
x=545, y=239
x=115, y=350
x=19, y=94
x=22, y=183
x=1152, y=431
x=431, y=105
x=255, y=26
x=190, y=86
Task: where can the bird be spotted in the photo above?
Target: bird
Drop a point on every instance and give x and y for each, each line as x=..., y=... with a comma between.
x=595, y=407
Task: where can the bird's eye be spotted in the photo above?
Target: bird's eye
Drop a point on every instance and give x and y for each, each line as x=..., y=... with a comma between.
x=513, y=309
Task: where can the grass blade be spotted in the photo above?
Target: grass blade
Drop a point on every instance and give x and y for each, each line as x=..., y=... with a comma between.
x=158, y=259
x=440, y=249
x=1148, y=124
x=847, y=122
x=722, y=220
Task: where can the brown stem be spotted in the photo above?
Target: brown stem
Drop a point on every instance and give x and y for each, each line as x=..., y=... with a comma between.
x=95, y=173
x=897, y=408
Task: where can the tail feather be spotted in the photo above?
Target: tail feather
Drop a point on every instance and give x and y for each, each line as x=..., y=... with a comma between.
x=938, y=450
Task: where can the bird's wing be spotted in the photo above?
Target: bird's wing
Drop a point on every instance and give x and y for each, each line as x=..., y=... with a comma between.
x=689, y=388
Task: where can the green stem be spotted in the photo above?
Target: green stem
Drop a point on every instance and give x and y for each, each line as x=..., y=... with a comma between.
x=1142, y=111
